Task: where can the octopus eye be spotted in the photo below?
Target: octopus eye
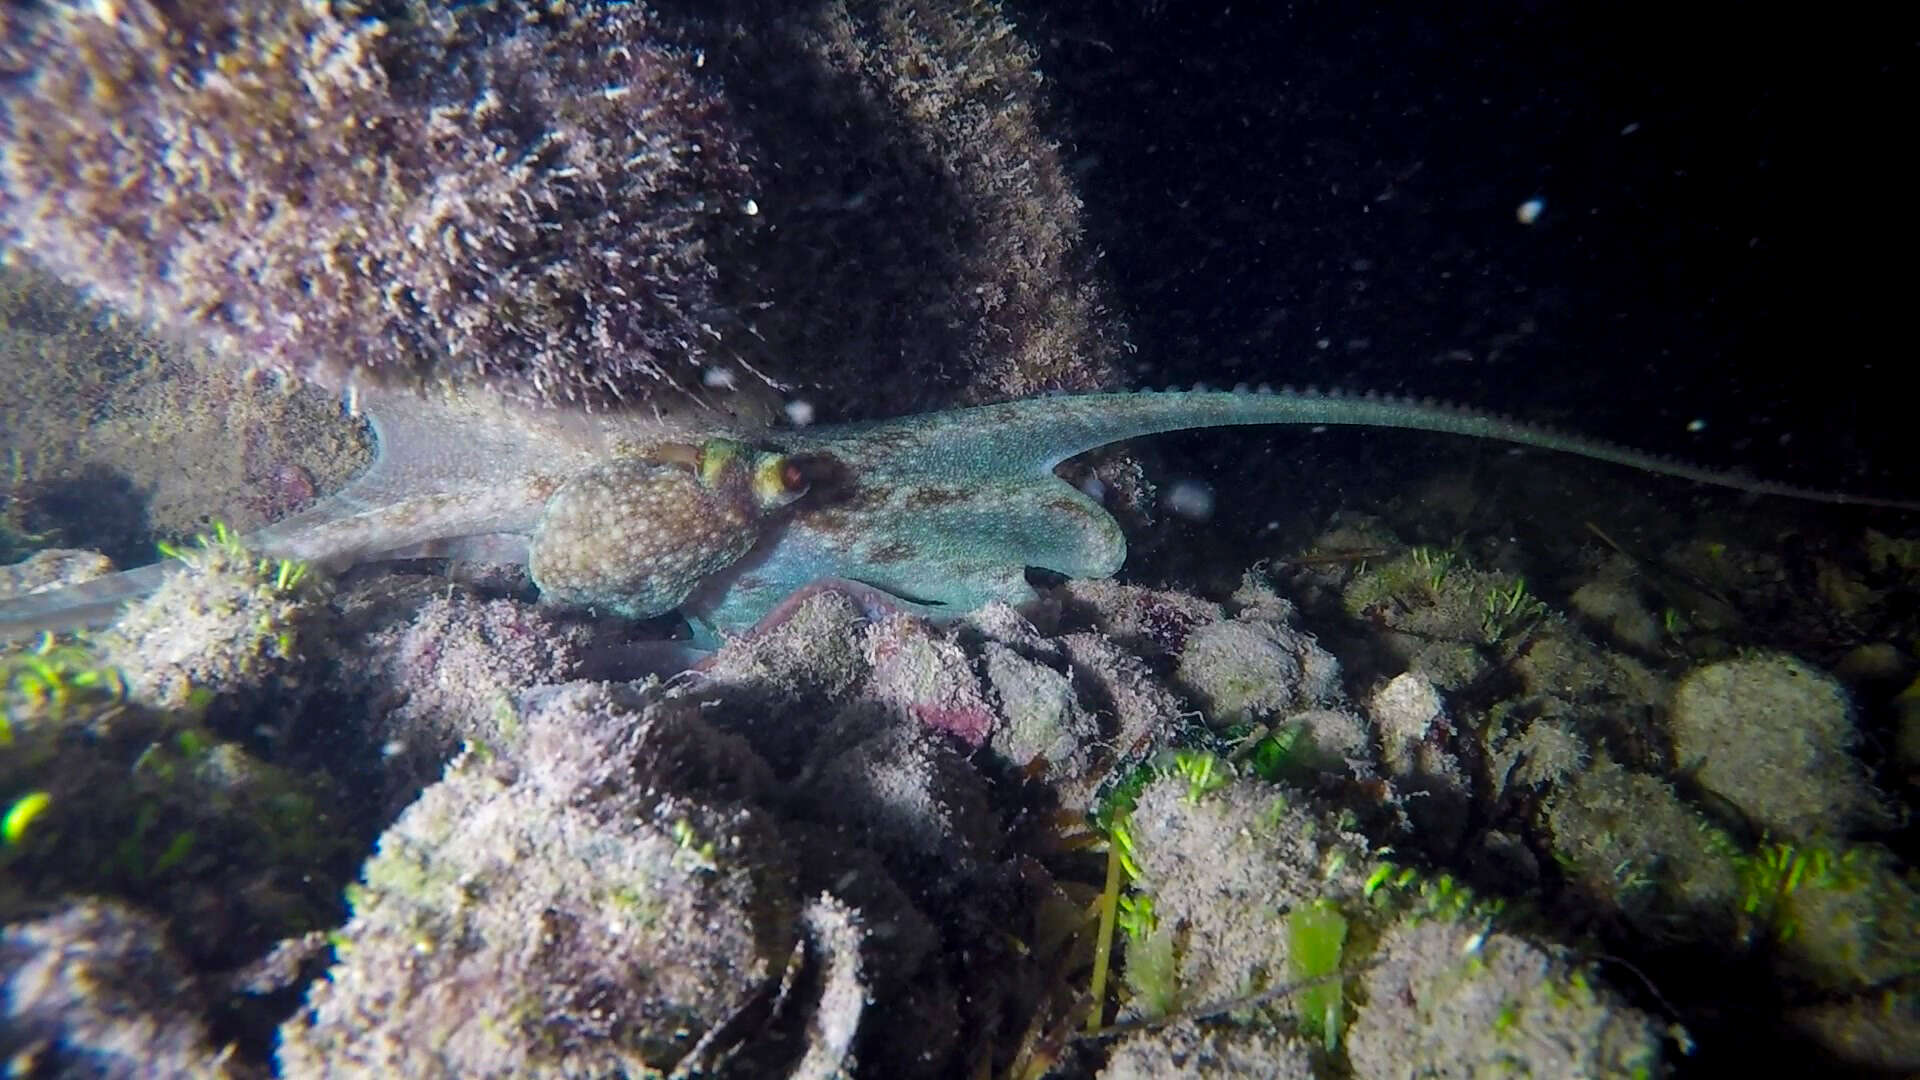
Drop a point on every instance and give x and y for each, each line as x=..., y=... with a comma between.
x=777, y=481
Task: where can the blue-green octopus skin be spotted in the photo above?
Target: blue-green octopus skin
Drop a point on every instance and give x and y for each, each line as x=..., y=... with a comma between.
x=942, y=512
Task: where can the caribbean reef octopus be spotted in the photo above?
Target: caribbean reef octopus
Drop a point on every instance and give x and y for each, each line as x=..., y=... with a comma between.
x=936, y=514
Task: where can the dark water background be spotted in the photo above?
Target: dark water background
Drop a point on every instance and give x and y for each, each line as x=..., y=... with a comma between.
x=1326, y=194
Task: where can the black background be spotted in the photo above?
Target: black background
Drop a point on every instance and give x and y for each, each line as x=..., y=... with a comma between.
x=1326, y=194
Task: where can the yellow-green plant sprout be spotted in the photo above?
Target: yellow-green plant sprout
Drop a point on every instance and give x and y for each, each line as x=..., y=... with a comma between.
x=1204, y=773
x=692, y=851
x=1110, y=821
x=1136, y=918
x=50, y=678
x=1436, y=562
x=175, y=853
x=1509, y=610
x=21, y=815
x=1772, y=876
x=1120, y=837
x=1673, y=622
x=1439, y=896
x=1272, y=754
x=286, y=573
x=1108, y=905
x=223, y=540
x=1316, y=938
x=1378, y=879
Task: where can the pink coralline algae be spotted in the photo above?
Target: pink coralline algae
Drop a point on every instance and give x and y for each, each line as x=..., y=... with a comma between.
x=442, y=198
x=969, y=723
x=922, y=673
x=594, y=204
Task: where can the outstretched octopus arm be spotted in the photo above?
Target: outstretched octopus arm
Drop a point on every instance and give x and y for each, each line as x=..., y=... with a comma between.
x=942, y=512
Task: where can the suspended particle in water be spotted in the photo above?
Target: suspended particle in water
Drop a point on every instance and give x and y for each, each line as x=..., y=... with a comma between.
x=1190, y=499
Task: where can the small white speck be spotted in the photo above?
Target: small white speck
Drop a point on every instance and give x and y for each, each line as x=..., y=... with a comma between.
x=1696, y=425
x=751, y=208
x=1190, y=499
x=717, y=377
x=1630, y=128
x=800, y=413
x=1529, y=212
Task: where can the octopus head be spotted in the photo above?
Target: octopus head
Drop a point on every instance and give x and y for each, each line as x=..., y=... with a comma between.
x=770, y=480
x=636, y=535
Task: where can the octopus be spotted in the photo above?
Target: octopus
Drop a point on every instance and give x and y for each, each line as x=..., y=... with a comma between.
x=936, y=514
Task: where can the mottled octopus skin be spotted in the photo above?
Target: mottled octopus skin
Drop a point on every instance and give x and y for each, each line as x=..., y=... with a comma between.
x=943, y=511
x=947, y=510
x=636, y=535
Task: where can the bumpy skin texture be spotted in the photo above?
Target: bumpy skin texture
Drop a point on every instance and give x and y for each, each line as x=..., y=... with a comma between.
x=942, y=512
x=636, y=536
x=948, y=510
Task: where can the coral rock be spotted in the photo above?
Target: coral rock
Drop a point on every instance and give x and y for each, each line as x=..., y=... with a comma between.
x=428, y=199
x=1774, y=737
x=94, y=990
